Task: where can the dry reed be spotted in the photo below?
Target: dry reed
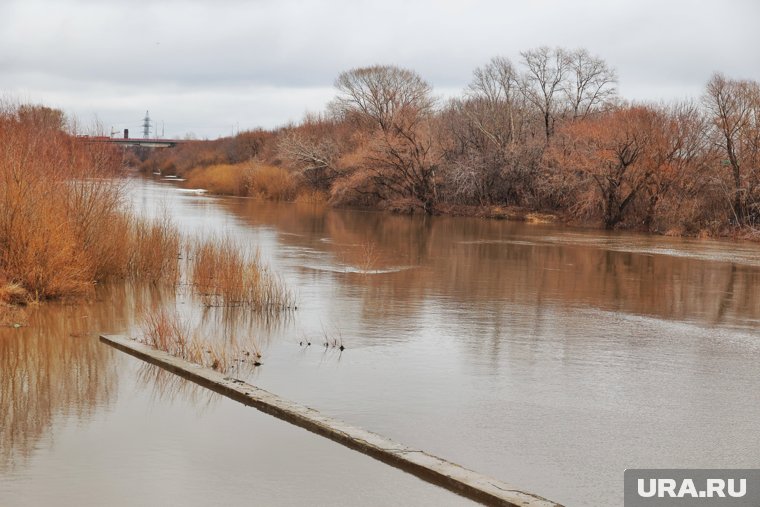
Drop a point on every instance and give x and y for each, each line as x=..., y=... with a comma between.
x=370, y=257
x=155, y=252
x=168, y=331
x=245, y=179
x=63, y=226
x=270, y=182
x=312, y=197
x=227, y=179
x=225, y=275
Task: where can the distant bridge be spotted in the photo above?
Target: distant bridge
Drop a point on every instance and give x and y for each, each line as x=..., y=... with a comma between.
x=122, y=141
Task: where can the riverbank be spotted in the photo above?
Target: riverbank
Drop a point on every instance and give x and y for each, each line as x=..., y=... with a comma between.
x=680, y=169
x=81, y=425
x=234, y=178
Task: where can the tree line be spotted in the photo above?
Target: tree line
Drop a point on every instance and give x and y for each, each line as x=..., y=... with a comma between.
x=547, y=133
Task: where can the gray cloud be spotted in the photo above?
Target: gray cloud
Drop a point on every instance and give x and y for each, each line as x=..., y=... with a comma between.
x=204, y=66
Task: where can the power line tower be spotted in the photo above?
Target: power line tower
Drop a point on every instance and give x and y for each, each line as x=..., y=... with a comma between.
x=146, y=125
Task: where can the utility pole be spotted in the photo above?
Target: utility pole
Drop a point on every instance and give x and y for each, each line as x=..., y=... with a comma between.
x=146, y=125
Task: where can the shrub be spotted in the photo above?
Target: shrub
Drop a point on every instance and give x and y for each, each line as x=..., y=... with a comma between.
x=63, y=224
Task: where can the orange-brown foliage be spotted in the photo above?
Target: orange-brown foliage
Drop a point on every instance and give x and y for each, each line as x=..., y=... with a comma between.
x=62, y=223
x=567, y=146
x=270, y=182
x=226, y=179
x=627, y=165
x=225, y=275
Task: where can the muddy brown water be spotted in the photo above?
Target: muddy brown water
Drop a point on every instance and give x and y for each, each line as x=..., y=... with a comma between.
x=550, y=358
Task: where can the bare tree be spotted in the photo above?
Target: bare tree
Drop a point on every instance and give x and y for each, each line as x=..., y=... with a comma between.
x=493, y=92
x=381, y=92
x=676, y=155
x=396, y=105
x=314, y=158
x=734, y=109
x=590, y=83
x=544, y=80
x=488, y=159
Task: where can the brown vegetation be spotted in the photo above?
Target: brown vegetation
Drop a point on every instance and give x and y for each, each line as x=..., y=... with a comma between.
x=246, y=179
x=547, y=134
x=64, y=226
x=225, y=179
x=223, y=274
x=53, y=204
x=270, y=182
x=168, y=331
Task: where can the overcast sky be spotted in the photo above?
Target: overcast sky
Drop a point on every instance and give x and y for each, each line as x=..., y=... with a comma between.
x=209, y=67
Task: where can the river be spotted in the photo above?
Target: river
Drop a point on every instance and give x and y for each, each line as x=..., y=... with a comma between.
x=548, y=357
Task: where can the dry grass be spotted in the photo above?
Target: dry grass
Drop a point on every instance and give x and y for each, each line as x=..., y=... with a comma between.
x=246, y=179
x=370, y=257
x=225, y=275
x=12, y=293
x=333, y=339
x=167, y=331
x=330, y=338
x=270, y=182
x=63, y=225
x=155, y=251
x=48, y=223
x=363, y=257
x=226, y=179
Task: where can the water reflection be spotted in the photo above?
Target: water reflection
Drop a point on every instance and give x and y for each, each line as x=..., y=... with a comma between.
x=478, y=262
x=50, y=369
x=238, y=325
x=54, y=368
x=565, y=349
x=165, y=387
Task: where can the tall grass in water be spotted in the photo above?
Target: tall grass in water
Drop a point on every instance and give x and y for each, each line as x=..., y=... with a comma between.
x=223, y=274
x=63, y=226
x=168, y=331
x=155, y=251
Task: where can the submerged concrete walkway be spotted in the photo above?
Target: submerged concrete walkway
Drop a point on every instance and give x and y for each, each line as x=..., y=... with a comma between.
x=425, y=466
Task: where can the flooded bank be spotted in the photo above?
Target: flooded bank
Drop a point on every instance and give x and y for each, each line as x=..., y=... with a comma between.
x=550, y=359
x=82, y=424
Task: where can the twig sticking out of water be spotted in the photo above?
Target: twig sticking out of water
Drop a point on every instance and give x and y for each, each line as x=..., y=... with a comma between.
x=333, y=340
